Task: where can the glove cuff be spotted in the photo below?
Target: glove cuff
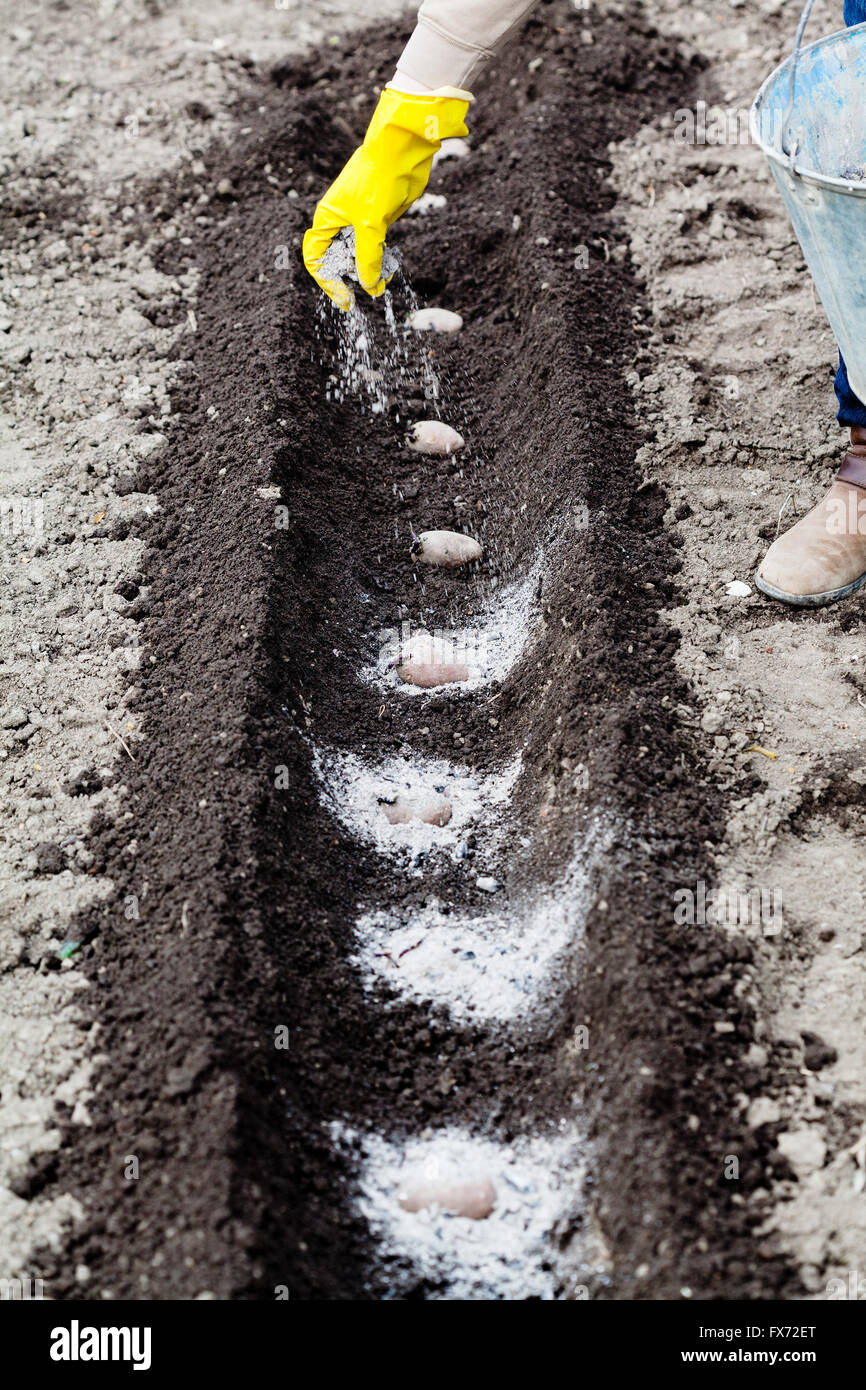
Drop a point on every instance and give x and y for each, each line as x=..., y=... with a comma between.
x=459, y=92
x=430, y=117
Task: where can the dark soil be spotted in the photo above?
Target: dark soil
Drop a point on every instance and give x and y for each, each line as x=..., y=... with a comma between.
x=254, y=640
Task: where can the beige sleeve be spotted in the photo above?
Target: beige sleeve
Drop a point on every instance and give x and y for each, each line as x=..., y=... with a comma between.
x=454, y=37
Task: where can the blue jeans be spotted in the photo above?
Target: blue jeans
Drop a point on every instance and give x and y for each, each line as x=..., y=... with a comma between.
x=852, y=411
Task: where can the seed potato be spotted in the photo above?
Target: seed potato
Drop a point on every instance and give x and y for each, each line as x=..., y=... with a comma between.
x=434, y=437
x=448, y=549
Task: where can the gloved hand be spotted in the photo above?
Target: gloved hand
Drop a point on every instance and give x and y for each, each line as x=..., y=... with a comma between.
x=381, y=180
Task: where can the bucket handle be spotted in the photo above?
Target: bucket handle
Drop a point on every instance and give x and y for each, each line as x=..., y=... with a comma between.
x=789, y=109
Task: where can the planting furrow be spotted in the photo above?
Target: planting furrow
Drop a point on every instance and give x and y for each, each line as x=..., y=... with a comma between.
x=469, y=1216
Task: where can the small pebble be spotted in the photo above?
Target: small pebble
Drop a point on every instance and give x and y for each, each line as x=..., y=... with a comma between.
x=487, y=884
x=737, y=589
x=427, y=203
x=455, y=147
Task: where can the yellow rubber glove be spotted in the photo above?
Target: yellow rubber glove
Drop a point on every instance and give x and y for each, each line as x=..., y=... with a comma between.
x=381, y=180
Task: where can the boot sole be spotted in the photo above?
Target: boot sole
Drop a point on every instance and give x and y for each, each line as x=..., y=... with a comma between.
x=809, y=600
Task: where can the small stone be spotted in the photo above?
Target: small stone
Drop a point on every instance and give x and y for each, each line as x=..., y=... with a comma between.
x=487, y=884
x=804, y=1149
x=737, y=589
x=427, y=203
x=454, y=147
x=763, y=1111
x=131, y=321
x=145, y=446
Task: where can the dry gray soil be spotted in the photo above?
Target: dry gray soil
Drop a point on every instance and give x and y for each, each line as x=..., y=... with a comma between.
x=96, y=100
x=737, y=385
x=734, y=385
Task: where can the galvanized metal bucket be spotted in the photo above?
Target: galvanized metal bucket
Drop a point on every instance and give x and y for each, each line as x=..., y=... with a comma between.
x=810, y=120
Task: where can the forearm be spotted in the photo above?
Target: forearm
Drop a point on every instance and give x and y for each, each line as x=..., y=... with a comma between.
x=454, y=37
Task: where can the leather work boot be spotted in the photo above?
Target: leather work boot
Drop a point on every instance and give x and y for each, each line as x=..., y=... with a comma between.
x=823, y=556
